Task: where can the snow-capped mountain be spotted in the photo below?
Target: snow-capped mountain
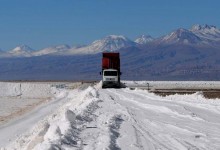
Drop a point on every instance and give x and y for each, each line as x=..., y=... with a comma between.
x=181, y=35
x=52, y=50
x=21, y=50
x=206, y=32
x=202, y=35
x=144, y=39
x=110, y=43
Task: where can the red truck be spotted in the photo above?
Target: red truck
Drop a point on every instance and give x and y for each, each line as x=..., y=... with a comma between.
x=110, y=70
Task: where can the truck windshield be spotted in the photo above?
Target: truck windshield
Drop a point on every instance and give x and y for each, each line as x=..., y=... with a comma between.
x=110, y=73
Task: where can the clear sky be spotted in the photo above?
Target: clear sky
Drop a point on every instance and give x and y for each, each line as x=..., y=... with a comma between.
x=43, y=23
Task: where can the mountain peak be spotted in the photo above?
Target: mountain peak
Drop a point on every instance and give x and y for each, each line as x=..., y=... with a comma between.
x=21, y=48
x=112, y=43
x=113, y=38
x=116, y=37
x=198, y=27
x=108, y=43
x=206, y=32
x=143, y=39
x=181, y=35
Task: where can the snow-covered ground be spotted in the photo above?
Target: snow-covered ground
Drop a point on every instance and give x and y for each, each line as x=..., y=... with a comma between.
x=174, y=84
x=18, y=98
x=95, y=118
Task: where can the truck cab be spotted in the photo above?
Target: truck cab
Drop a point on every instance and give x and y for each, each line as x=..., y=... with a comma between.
x=110, y=78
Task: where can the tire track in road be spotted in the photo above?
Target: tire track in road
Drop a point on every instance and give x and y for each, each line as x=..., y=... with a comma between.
x=118, y=117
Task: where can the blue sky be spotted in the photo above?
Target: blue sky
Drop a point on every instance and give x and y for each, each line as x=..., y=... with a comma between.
x=43, y=23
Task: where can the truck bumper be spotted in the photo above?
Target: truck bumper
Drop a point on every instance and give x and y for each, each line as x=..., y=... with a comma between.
x=110, y=84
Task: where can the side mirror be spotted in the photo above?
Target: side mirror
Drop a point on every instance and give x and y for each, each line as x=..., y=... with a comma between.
x=120, y=73
x=100, y=73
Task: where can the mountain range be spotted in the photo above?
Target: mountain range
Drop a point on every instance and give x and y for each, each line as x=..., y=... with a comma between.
x=184, y=54
x=197, y=35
